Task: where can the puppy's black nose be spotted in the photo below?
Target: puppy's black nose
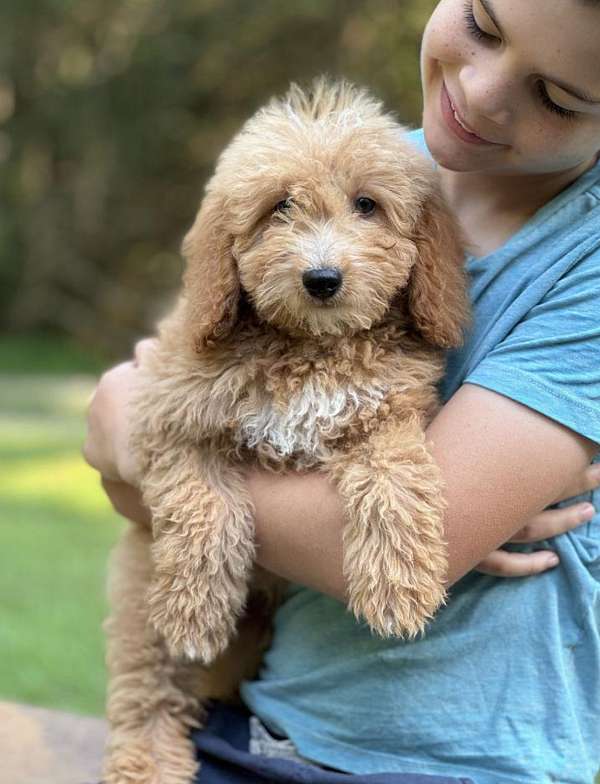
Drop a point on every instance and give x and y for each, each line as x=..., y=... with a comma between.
x=322, y=283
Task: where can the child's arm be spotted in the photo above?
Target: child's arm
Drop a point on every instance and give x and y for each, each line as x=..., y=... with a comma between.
x=502, y=463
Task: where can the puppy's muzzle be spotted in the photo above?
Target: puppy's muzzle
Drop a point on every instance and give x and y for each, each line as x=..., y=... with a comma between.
x=322, y=283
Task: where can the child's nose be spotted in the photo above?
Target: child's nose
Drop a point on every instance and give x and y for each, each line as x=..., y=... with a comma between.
x=490, y=95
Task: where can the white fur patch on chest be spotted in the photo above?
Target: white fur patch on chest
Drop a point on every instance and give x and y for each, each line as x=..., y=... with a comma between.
x=313, y=416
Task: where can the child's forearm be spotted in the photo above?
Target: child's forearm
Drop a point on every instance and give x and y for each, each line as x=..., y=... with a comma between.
x=299, y=520
x=501, y=464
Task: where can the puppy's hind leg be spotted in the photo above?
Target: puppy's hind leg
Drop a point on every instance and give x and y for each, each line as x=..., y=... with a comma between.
x=149, y=712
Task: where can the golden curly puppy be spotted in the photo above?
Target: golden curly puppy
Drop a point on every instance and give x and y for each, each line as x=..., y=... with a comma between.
x=324, y=276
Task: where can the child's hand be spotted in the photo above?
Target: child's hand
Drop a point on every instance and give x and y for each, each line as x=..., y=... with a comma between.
x=106, y=446
x=550, y=522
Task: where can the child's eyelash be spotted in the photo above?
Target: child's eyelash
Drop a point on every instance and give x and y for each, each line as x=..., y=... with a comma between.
x=481, y=35
x=472, y=25
x=568, y=114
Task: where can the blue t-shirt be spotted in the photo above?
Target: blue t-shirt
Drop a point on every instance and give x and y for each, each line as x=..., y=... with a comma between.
x=505, y=685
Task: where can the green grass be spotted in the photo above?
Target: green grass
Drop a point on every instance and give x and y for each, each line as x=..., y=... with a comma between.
x=56, y=529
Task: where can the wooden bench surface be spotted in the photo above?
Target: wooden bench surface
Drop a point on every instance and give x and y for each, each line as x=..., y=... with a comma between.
x=39, y=746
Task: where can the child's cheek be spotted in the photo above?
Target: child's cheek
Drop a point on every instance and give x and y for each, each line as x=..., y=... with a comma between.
x=550, y=147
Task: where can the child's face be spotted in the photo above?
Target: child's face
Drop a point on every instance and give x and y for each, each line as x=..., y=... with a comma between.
x=499, y=64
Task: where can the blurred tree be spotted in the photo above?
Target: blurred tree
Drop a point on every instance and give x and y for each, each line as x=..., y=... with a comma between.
x=112, y=113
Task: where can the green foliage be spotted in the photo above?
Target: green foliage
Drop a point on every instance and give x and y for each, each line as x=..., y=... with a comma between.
x=112, y=114
x=35, y=354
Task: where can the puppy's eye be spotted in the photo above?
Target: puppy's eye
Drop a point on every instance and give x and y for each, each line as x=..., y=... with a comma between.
x=364, y=205
x=282, y=205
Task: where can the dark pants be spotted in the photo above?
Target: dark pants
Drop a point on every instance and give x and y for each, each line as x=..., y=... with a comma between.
x=223, y=753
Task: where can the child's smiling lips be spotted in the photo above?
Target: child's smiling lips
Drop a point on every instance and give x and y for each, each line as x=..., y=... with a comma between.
x=456, y=123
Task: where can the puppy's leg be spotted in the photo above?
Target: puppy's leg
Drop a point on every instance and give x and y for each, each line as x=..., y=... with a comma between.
x=203, y=550
x=149, y=712
x=394, y=553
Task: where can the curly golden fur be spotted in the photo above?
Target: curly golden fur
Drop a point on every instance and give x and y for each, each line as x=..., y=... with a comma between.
x=264, y=360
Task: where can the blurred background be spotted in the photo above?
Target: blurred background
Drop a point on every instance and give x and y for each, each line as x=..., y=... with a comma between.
x=112, y=113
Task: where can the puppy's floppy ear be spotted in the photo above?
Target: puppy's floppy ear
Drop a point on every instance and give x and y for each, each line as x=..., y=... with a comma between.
x=437, y=292
x=211, y=281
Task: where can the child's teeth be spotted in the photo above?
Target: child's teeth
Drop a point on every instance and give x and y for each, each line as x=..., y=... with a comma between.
x=459, y=122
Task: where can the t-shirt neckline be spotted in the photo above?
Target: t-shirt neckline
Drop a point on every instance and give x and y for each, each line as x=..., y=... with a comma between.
x=580, y=185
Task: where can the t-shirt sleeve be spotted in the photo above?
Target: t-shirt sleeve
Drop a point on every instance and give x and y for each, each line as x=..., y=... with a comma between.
x=550, y=361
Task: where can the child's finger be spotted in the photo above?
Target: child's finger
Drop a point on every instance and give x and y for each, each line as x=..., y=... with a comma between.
x=501, y=563
x=143, y=347
x=552, y=522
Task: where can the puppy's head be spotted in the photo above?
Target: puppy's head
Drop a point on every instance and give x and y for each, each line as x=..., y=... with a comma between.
x=323, y=213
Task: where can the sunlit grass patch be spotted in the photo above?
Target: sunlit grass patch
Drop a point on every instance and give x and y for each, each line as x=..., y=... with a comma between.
x=56, y=529
x=60, y=480
x=53, y=604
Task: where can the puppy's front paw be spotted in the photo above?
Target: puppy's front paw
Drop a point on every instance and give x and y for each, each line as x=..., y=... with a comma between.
x=393, y=610
x=197, y=641
x=194, y=627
